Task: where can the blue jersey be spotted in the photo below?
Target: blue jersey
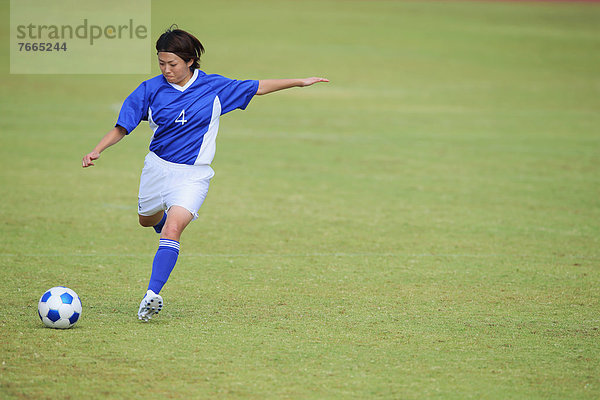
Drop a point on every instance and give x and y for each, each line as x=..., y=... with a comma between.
x=185, y=119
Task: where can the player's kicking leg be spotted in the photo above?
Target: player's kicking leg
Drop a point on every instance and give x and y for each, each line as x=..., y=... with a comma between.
x=157, y=221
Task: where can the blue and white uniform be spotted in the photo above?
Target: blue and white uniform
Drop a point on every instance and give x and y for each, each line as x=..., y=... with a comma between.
x=185, y=122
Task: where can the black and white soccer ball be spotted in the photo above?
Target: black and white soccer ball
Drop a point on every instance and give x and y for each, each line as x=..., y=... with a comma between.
x=59, y=307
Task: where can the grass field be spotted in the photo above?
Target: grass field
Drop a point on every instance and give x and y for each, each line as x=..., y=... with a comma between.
x=424, y=226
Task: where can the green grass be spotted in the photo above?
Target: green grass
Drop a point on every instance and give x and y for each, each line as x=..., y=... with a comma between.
x=424, y=226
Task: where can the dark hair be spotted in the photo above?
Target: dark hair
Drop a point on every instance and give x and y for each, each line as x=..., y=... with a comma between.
x=181, y=43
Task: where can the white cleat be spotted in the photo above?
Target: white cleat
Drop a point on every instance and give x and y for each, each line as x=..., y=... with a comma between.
x=151, y=304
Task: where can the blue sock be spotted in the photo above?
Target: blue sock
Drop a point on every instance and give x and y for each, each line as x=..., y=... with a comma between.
x=158, y=227
x=164, y=262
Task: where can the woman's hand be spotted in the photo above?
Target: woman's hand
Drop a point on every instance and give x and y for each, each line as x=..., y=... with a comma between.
x=113, y=136
x=88, y=158
x=266, y=86
x=312, y=81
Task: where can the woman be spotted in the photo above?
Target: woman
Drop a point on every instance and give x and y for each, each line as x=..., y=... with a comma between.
x=182, y=106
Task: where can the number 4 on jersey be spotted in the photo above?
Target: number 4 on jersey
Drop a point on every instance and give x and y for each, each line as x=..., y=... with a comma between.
x=181, y=117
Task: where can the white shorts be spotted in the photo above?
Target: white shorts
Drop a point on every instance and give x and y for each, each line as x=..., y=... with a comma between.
x=164, y=184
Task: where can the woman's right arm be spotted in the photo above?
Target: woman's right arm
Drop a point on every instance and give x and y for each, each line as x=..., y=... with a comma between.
x=113, y=136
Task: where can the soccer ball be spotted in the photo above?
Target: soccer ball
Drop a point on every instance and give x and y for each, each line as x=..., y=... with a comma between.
x=59, y=307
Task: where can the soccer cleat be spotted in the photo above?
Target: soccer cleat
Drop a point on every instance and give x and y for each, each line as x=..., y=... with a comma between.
x=151, y=304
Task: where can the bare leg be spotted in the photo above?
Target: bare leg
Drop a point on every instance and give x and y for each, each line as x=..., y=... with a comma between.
x=151, y=220
x=165, y=259
x=178, y=218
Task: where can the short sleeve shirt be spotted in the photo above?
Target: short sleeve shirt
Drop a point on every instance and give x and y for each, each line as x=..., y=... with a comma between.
x=185, y=119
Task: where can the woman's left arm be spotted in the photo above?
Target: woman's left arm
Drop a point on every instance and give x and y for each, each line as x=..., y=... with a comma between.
x=266, y=86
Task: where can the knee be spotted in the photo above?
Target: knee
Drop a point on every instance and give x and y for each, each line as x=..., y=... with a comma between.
x=172, y=232
x=145, y=221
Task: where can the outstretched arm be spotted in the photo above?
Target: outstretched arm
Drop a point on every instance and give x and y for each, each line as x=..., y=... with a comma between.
x=266, y=86
x=113, y=136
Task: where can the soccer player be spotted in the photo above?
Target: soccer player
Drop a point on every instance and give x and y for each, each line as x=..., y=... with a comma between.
x=182, y=107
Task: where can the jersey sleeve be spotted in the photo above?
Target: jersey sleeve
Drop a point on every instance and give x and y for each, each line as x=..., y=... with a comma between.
x=134, y=109
x=233, y=93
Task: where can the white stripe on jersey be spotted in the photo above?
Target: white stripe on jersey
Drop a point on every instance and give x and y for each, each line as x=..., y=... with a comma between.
x=151, y=122
x=209, y=146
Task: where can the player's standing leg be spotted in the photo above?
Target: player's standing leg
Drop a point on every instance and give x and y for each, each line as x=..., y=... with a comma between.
x=165, y=259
